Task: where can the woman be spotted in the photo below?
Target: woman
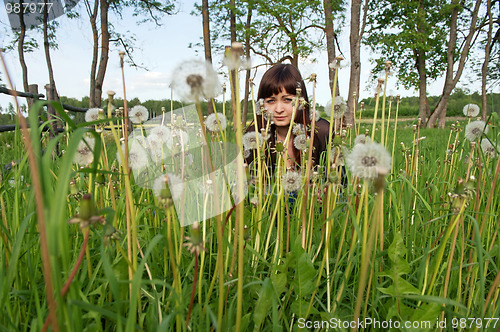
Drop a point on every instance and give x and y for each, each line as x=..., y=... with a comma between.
x=277, y=96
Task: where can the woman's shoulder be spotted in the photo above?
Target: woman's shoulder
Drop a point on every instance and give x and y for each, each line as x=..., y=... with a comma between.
x=322, y=127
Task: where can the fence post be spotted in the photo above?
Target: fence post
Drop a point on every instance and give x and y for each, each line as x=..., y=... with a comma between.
x=33, y=89
x=51, y=94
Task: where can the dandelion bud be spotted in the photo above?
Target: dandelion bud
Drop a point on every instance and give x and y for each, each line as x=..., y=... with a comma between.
x=280, y=147
x=254, y=201
x=237, y=48
x=73, y=189
x=298, y=90
x=99, y=179
x=87, y=207
x=111, y=233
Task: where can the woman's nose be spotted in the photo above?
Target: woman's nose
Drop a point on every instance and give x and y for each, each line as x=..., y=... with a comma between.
x=279, y=108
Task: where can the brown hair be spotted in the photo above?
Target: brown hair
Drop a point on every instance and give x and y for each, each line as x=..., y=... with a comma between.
x=275, y=79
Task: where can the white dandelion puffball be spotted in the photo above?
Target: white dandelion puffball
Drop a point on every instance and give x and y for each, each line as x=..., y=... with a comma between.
x=298, y=129
x=179, y=137
x=317, y=115
x=362, y=139
x=369, y=160
x=300, y=142
x=84, y=152
x=250, y=140
x=156, y=148
x=92, y=114
x=137, y=155
x=489, y=149
x=291, y=181
x=170, y=181
x=339, y=108
x=161, y=133
x=138, y=114
x=259, y=107
x=471, y=110
x=194, y=80
x=475, y=129
x=214, y=120
x=337, y=156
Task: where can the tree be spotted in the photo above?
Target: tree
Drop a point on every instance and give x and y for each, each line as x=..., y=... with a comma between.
x=150, y=9
x=456, y=56
x=206, y=41
x=358, y=24
x=489, y=46
x=411, y=34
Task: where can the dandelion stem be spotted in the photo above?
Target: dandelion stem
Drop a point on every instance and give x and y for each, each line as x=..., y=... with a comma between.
x=40, y=209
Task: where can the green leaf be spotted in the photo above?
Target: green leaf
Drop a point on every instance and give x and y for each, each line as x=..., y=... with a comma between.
x=399, y=287
x=305, y=276
x=300, y=307
x=428, y=312
x=264, y=303
x=279, y=281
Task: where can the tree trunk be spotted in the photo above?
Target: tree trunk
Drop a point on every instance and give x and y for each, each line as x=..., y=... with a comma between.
x=95, y=50
x=206, y=42
x=20, y=49
x=439, y=112
x=247, y=73
x=51, y=87
x=330, y=40
x=423, y=103
x=357, y=30
x=103, y=61
x=232, y=29
x=484, y=69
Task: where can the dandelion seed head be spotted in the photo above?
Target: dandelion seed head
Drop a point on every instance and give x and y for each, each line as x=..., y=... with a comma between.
x=369, y=160
x=250, y=140
x=195, y=79
x=489, y=149
x=316, y=114
x=168, y=186
x=339, y=108
x=137, y=155
x=475, y=129
x=84, y=155
x=300, y=142
x=363, y=139
x=213, y=125
x=92, y=114
x=265, y=134
x=162, y=134
x=471, y=110
x=138, y=114
x=291, y=181
x=299, y=129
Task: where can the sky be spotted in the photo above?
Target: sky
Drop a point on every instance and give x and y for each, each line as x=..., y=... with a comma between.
x=160, y=50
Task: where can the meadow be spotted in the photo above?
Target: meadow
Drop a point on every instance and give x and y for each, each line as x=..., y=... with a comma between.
x=86, y=246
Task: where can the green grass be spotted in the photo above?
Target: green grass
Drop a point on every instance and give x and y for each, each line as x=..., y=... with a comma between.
x=424, y=250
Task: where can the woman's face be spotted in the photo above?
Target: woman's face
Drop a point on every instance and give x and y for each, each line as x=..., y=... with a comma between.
x=281, y=105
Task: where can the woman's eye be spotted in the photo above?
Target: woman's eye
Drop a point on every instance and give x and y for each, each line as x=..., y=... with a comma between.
x=288, y=100
x=269, y=101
